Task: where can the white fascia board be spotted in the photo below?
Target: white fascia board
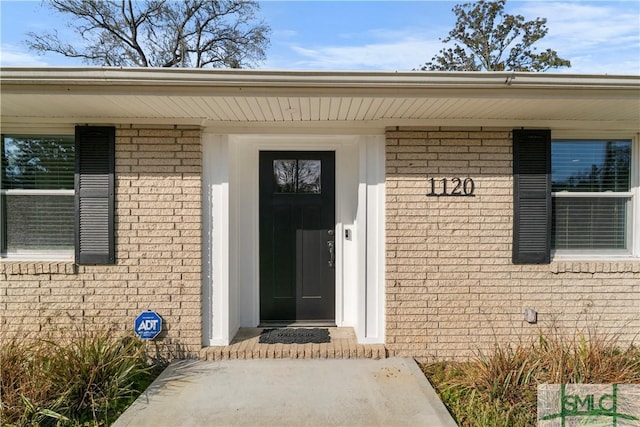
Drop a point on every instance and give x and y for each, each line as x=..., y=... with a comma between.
x=165, y=79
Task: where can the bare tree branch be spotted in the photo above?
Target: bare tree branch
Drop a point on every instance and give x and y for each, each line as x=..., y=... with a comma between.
x=159, y=33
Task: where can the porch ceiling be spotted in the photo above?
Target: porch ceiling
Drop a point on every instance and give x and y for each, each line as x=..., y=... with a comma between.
x=252, y=99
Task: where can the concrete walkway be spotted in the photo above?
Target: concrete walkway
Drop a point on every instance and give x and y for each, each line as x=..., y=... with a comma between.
x=289, y=392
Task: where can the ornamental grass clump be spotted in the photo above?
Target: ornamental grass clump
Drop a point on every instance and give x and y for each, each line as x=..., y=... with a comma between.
x=28, y=395
x=588, y=359
x=89, y=379
x=499, y=388
x=492, y=389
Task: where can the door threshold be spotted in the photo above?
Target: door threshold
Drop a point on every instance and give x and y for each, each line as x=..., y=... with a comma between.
x=298, y=324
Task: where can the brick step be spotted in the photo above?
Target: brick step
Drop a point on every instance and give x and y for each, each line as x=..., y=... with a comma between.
x=343, y=345
x=295, y=351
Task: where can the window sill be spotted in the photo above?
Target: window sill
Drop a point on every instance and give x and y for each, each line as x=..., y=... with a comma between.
x=11, y=267
x=593, y=257
x=38, y=256
x=591, y=265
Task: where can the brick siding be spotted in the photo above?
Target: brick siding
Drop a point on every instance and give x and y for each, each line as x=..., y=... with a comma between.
x=451, y=287
x=158, y=252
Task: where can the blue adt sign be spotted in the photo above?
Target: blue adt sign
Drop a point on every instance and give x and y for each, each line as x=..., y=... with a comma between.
x=148, y=325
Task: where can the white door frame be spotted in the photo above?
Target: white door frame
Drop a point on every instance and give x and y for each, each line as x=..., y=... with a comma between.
x=230, y=230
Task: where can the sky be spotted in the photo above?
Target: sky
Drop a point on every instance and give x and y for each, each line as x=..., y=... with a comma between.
x=598, y=37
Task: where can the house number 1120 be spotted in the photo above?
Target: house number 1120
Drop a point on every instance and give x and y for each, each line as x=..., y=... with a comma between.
x=451, y=187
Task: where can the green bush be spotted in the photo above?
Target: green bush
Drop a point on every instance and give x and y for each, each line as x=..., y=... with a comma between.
x=499, y=388
x=88, y=379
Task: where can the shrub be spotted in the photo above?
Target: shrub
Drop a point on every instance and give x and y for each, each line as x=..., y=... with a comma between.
x=28, y=395
x=89, y=379
x=589, y=359
x=499, y=388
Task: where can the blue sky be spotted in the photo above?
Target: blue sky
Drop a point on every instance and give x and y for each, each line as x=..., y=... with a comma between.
x=597, y=36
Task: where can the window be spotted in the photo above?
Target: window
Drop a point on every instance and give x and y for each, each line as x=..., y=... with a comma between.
x=37, y=196
x=57, y=196
x=591, y=195
x=297, y=176
x=575, y=197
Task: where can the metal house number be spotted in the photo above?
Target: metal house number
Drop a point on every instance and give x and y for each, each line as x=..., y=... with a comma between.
x=451, y=187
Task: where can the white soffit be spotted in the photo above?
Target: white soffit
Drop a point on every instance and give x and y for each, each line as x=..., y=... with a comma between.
x=274, y=98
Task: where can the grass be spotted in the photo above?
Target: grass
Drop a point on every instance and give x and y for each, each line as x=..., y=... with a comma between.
x=499, y=388
x=88, y=380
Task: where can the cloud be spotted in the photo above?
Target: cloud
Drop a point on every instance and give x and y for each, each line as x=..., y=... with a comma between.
x=401, y=55
x=11, y=56
x=590, y=64
x=583, y=26
x=284, y=34
x=597, y=38
x=380, y=49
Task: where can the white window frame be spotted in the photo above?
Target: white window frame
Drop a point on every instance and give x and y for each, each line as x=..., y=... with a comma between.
x=35, y=255
x=632, y=252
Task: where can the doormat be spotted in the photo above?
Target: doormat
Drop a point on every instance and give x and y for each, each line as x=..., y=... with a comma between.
x=294, y=336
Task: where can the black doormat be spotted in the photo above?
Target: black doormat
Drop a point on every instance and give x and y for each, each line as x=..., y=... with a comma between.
x=294, y=336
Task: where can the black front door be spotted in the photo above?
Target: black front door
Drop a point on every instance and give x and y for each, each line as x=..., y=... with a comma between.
x=297, y=237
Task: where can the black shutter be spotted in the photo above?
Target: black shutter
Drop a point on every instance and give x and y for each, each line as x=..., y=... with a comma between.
x=532, y=196
x=94, y=183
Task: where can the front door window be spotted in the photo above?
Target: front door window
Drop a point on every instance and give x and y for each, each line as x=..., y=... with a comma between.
x=297, y=176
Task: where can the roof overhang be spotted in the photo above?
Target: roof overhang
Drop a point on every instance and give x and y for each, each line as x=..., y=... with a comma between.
x=251, y=99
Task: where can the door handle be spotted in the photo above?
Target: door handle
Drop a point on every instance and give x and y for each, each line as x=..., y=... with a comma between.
x=331, y=245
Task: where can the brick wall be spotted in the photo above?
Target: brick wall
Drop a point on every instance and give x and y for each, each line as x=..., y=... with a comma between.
x=451, y=287
x=158, y=251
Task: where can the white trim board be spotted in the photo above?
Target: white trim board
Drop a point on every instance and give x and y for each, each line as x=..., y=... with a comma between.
x=230, y=230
